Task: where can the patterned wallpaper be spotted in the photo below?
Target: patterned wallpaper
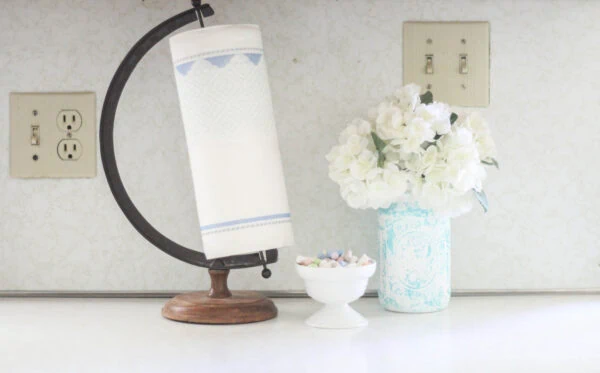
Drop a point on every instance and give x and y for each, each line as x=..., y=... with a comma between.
x=329, y=61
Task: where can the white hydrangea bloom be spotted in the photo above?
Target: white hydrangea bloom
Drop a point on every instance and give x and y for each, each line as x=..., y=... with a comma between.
x=364, y=165
x=339, y=163
x=461, y=157
x=444, y=200
x=475, y=123
x=423, y=156
x=422, y=163
x=416, y=132
x=387, y=187
x=355, y=145
x=438, y=114
x=408, y=97
x=389, y=121
x=455, y=174
x=355, y=194
x=358, y=127
x=434, y=195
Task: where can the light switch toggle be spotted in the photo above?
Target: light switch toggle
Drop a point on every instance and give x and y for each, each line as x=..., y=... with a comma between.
x=463, y=68
x=35, y=134
x=429, y=64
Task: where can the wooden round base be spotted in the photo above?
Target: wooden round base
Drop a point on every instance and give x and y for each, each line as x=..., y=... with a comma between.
x=219, y=305
x=240, y=308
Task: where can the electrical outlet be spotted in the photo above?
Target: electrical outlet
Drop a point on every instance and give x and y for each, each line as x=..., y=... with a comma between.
x=53, y=135
x=69, y=120
x=69, y=150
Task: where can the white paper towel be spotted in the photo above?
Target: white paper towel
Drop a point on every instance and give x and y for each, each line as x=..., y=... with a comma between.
x=232, y=142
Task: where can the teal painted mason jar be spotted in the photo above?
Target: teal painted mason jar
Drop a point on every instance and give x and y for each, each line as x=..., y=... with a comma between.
x=414, y=259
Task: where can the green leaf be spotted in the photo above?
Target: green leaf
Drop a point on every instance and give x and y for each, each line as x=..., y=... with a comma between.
x=482, y=198
x=491, y=162
x=453, y=118
x=380, y=160
x=379, y=145
x=427, y=98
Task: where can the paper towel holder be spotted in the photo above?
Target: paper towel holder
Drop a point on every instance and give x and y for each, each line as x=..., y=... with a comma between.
x=218, y=305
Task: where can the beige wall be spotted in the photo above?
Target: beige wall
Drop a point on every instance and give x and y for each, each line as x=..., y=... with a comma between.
x=328, y=62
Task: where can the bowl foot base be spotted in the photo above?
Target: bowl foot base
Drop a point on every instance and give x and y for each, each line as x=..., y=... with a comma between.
x=337, y=316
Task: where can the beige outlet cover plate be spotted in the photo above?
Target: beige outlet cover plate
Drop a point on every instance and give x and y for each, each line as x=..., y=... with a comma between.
x=41, y=110
x=446, y=42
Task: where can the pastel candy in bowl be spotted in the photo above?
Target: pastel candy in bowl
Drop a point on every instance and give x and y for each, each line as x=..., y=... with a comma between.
x=335, y=287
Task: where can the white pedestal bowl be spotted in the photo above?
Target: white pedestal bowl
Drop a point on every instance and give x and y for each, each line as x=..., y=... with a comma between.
x=335, y=288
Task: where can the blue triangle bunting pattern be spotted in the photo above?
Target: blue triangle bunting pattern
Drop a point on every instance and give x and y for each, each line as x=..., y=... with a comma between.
x=220, y=61
x=254, y=57
x=184, y=68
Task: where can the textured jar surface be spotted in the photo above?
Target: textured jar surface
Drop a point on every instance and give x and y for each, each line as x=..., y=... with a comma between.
x=414, y=252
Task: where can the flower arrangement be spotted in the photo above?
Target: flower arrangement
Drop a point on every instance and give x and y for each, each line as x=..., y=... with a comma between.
x=412, y=148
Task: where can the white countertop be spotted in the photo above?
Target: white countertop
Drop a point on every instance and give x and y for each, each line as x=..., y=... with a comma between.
x=476, y=334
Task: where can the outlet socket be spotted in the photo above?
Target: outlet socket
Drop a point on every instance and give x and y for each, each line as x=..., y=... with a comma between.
x=69, y=120
x=69, y=150
x=39, y=135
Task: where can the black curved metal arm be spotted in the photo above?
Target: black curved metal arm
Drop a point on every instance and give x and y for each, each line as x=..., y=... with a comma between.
x=107, y=151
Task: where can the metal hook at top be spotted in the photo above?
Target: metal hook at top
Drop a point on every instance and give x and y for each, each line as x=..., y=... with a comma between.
x=202, y=10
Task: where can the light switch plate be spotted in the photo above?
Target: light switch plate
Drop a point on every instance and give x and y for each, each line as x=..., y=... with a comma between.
x=445, y=43
x=53, y=135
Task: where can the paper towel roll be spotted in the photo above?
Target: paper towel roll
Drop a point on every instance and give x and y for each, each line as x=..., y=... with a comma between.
x=232, y=143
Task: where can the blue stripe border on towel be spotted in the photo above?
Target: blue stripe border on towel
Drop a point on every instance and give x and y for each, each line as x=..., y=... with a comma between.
x=245, y=221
